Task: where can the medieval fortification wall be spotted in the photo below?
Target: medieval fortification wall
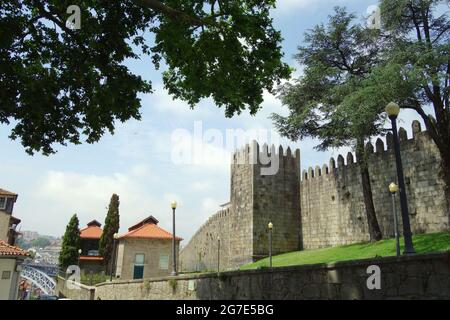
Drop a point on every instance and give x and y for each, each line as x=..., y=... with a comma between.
x=324, y=207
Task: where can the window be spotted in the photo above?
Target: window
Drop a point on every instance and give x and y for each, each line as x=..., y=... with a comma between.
x=2, y=203
x=138, y=272
x=93, y=253
x=139, y=259
x=164, y=262
x=6, y=275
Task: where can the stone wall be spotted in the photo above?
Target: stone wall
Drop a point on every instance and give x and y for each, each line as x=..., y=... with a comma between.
x=324, y=209
x=332, y=207
x=74, y=290
x=407, y=277
x=276, y=199
x=201, y=251
x=256, y=200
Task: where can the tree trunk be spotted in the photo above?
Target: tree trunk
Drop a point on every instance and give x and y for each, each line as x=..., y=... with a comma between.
x=374, y=228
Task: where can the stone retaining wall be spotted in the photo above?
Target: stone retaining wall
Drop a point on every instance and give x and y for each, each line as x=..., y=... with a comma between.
x=407, y=277
x=74, y=290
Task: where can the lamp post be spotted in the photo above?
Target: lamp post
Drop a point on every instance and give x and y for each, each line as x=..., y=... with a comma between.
x=173, y=205
x=218, y=254
x=113, y=258
x=392, y=109
x=270, y=226
x=393, y=188
x=79, y=254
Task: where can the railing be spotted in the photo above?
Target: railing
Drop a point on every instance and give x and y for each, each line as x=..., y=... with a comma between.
x=39, y=278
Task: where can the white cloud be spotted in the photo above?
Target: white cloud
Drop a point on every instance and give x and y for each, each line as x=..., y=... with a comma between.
x=210, y=205
x=201, y=185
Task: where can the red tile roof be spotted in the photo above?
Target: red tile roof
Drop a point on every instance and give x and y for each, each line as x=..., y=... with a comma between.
x=8, y=250
x=92, y=231
x=148, y=230
x=91, y=258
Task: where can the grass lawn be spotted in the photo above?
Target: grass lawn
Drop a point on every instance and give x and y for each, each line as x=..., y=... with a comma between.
x=423, y=243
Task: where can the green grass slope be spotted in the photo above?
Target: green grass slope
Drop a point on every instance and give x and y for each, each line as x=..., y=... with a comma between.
x=424, y=243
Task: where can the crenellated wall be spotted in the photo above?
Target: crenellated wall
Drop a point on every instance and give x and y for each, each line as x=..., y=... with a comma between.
x=201, y=252
x=324, y=207
x=332, y=202
x=257, y=198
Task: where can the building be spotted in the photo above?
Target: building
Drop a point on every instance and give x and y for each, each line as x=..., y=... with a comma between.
x=11, y=258
x=90, y=259
x=8, y=223
x=145, y=251
x=29, y=235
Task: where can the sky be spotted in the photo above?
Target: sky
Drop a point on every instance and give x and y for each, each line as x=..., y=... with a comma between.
x=140, y=161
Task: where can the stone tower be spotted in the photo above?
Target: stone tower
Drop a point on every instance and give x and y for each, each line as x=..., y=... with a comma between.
x=265, y=187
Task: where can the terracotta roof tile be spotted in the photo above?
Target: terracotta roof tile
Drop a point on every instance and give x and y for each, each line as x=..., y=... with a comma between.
x=149, y=231
x=91, y=232
x=8, y=250
x=91, y=258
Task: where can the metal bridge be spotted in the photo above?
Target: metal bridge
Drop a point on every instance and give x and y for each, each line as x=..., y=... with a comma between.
x=39, y=278
x=49, y=269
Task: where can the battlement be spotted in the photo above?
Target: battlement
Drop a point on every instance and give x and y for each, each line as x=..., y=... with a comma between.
x=254, y=154
x=217, y=217
x=379, y=150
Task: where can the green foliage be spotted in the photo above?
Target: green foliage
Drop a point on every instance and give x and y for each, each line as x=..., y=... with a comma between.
x=63, y=86
x=40, y=242
x=70, y=244
x=92, y=280
x=337, y=58
x=173, y=284
x=110, y=228
x=424, y=243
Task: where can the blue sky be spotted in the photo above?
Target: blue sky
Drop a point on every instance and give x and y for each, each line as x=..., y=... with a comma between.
x=136, y=162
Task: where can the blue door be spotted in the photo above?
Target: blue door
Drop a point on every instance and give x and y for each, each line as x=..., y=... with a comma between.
x=139, y=260
x=138, y=272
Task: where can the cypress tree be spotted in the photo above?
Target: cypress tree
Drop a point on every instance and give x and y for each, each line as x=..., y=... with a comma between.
x=70, y=244
x=110, y=228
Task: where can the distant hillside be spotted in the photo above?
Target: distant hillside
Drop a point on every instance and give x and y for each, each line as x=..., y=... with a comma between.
x=41, y=241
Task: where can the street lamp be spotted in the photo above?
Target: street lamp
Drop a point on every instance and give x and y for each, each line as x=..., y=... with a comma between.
x=79, y=254
x=270, y=226
x=393, y=110
x=218, y=254
x=393, y=188
x=113, y=258
x=173, y=205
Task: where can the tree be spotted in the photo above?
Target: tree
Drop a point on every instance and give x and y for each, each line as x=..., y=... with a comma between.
x=337, y=59
x=111, y=227
x=417, y=68
x=61, y=85
x=70, y=244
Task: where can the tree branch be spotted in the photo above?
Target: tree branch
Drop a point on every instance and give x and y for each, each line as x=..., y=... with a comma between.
x=178, y=14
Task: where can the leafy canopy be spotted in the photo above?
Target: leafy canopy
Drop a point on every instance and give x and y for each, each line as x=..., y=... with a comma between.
x=61, y=85
x=337, y=60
